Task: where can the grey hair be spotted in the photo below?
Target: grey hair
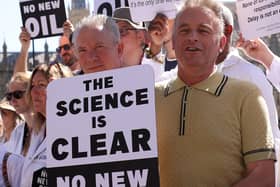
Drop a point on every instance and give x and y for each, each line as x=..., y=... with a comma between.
x=213, y=5
x=227, y=16
x=99, y=21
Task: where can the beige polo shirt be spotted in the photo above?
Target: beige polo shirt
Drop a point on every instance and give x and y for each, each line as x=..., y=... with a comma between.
x=209, y=131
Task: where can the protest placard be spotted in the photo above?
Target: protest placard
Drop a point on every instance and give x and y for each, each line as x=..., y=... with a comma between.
x=101, y=129
x=43, y=18
x=151, y=8
x=258, y=18
x=107, y=7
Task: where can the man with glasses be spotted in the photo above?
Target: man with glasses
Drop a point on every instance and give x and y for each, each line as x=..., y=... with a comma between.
x=66, y=54
x=132, y=37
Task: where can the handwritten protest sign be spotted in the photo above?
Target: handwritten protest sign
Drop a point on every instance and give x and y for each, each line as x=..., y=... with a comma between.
x=258, y=17
x=43, y=18
x=101, y=129
x=151, y=8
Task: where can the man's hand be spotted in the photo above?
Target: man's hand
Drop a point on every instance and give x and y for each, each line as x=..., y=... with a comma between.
x=257, y=50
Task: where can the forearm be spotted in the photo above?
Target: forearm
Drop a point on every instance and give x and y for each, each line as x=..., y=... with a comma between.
x=259, y=177
x=267, y=59
x=273, y=74
x=21, y=62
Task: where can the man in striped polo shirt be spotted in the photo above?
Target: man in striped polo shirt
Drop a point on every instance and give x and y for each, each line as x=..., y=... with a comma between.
x=212, y=130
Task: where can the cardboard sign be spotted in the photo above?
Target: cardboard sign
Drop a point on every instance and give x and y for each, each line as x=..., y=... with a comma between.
x=258, y=18
x=151, y=8
x=43, y=18
x=101, y=129
x=107, y=7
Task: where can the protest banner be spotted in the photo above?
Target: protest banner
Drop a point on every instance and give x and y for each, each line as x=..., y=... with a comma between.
x=258, y=18
x=151, y=8
x=101, y=129
x=107, y=7
x=43, y=18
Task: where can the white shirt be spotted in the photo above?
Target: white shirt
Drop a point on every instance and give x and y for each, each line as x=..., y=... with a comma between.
x=157, y=67
x=168, y=74
x=21, y=169
x=236, y=67
x=273, y=74
x=15, y=143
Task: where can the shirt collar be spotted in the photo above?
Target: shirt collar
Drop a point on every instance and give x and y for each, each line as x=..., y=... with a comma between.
x=214, y=84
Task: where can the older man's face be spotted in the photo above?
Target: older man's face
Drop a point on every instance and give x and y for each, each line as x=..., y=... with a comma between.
x=196, y=39
x=97, y=50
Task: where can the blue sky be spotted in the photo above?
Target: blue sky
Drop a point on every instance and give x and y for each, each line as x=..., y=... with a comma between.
x=10, y=20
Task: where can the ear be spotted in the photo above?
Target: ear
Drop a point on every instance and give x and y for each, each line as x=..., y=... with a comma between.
x=223, y=42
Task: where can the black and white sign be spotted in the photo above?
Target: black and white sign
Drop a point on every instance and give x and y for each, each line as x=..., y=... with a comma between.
x=107, y=7
x=151, y=8
x=43, y=18
x=258, y=18
x=40, y=178
x=101, y=129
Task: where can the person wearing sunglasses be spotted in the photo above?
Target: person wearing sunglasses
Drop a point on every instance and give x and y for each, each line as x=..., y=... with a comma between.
x=66, y=54
x=19, y=170
x=16, y=95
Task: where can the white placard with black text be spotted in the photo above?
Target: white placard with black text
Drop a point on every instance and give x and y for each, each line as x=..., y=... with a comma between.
x=146, y=10
x=258, y=18
x=101, y=129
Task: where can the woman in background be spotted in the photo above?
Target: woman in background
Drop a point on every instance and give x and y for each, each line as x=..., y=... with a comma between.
x=19, y=169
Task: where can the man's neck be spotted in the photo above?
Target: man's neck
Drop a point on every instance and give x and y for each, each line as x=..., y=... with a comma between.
x=193, y=77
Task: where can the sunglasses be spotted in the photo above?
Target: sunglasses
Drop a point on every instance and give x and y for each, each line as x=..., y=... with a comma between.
x=16, y=94
x=66, y=47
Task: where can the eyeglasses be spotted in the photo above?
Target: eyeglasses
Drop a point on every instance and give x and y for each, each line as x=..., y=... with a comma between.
x=124, y=31
x=16, y=94
x=66, y=47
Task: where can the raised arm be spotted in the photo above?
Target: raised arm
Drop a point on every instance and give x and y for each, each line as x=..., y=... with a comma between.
x=21, y=62
x=68, y=28
x=257, y=50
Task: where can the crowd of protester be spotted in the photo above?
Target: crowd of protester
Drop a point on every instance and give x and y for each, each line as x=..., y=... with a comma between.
x=217, y=122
